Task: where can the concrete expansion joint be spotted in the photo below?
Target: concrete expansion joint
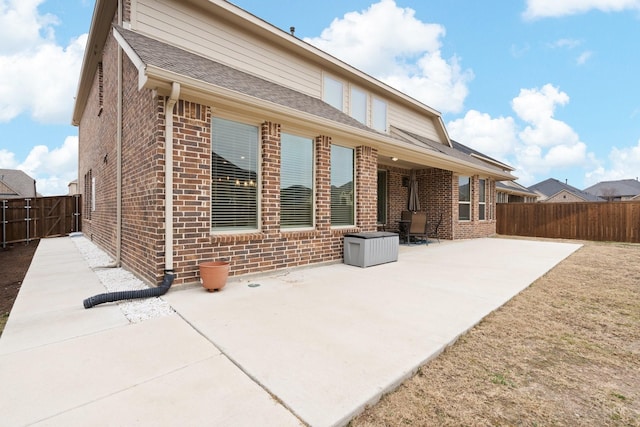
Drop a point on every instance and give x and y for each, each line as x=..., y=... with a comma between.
x=244, y=371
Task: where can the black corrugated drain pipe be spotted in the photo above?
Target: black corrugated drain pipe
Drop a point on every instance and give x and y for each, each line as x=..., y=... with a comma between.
x=140, y=293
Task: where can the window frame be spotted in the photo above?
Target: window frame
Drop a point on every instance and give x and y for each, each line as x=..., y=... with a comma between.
x=464, y=202
x=482, y=200
x=376, y=101
x=311, y=141
x=365, y=104
x=383, y=202
x=353, y=191
x=327, y=83
x=257, y=184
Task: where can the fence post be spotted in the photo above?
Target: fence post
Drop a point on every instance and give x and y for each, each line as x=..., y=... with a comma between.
x=76, y=212
x=4, y=224
x=27, y=219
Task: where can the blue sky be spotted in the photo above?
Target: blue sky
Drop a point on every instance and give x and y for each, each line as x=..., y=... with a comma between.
x=550, y=87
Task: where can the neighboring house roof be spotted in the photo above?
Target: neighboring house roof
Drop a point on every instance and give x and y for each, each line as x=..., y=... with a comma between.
x=16, y=184
x=550, y=187
x=153, y=57
x=627, y=188
x=513, y=187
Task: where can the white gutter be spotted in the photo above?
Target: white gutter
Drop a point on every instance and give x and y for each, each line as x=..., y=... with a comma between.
x=168, y=177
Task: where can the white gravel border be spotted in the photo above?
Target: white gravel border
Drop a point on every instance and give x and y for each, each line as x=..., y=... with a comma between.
x=119, y=279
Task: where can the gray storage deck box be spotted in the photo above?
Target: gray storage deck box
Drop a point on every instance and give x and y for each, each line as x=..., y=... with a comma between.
x=367, y=249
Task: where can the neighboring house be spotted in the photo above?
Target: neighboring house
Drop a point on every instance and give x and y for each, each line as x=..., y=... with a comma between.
x=15, y=184
x=236, y=140
x=73, y=187
x=553, y=191
x=623, y=189
x=512, y=192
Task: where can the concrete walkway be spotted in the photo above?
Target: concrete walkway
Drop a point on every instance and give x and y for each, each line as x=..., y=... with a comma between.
x=311, y=345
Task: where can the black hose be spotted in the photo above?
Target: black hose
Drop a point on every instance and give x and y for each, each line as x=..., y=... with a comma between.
x=121, y=295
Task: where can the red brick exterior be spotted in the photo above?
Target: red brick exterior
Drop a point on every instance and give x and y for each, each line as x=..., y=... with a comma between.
x=270, y=248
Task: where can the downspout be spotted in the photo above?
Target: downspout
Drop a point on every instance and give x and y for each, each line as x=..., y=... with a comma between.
x=168, y=177
x=168, y=186
x=119, y=150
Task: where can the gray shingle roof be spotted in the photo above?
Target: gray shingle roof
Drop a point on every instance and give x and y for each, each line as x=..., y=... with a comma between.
x=512, y=186
x=620, y=188
x=458, y=151
x=16, y=183
x=551, y=186
x=179, y=61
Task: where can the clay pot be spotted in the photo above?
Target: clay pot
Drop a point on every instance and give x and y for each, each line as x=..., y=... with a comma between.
x=213, y=275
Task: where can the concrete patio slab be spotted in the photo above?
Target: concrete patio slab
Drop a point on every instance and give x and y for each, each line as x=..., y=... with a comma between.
x=313, y=344
x=329, y=340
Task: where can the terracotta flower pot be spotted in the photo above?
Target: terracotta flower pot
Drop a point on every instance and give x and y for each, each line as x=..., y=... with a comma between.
x=213, y=275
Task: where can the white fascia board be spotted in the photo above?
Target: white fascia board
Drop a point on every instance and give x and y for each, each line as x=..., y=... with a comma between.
x=133, y=56
x=160, y=79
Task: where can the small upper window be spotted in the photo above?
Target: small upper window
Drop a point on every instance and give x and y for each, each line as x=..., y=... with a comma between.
x=379, y=119
x=359, y=105
x=333, y=92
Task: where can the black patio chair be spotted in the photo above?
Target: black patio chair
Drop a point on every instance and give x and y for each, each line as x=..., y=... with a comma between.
x=436, y=227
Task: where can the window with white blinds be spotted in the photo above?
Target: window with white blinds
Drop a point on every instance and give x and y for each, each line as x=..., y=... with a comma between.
x=333, y=92
x=296, y=182
x=234, y=175
x=464, y=198
x=482, y=199
x=342, y=186
x=379, y=115
x=359, y=105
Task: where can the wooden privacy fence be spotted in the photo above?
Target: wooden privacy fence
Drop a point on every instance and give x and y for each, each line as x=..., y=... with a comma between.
x=600, y=221
x=24, y=220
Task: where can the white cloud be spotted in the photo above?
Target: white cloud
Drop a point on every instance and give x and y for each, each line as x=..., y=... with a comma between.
x=565, y=44
x=41, y=77
x=584, y=57
x=495, y=137
x=52, y=169
x=554, y=8
x=624, y=164
x=534, y=142
x=391, y=44
x=7, y=159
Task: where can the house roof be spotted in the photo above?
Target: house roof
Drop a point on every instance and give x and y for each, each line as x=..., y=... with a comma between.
x=458, y=150
x=550, y=187
x=16, y=183
x=156, y=59
x=513, y=187
x=620, y=188
x=170, y=58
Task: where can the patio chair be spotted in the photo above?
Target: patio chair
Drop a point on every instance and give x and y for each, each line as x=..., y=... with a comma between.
x=434, y=230
x=418, y=226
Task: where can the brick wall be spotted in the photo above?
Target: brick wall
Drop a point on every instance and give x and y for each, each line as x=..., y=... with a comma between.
x=143, y=199
x=474, y=228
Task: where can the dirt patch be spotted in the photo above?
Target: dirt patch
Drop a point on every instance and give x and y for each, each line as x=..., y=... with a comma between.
x=15, y=261
x=566, y=351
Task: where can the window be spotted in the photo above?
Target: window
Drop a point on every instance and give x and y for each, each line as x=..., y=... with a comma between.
x=342, y=200
x=482, y=199
x=333, y=94
x=234, y=176
x=296, y=182
x=359, y=105
x=89, y=195
x=464, y=198
x=379, y=119
x=382, y=197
